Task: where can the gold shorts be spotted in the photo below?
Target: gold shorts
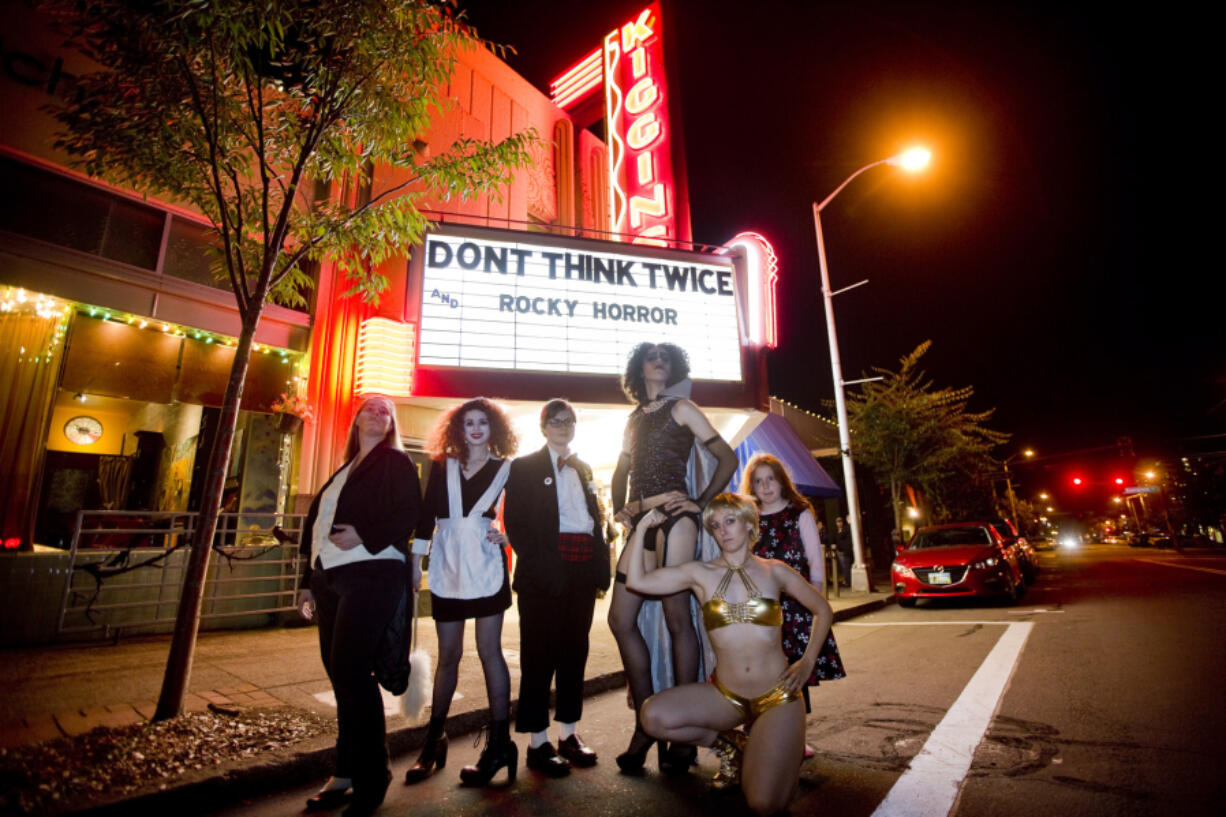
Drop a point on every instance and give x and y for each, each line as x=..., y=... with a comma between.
x=752, y=708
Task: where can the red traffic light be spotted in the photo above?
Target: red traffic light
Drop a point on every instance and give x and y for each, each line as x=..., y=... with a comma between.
x=1076, y=480
x=1119, y=480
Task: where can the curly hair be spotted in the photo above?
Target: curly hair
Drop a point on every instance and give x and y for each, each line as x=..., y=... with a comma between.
x=633, y=382
x=744, y=507
x=788, y=489
x=447, y=436
x=391, y=439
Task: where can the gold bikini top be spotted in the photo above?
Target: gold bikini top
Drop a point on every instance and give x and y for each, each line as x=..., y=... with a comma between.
x=757, y=609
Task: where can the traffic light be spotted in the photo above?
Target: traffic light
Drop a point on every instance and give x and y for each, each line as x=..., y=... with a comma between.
x=1076, y=480
x=1119, y=480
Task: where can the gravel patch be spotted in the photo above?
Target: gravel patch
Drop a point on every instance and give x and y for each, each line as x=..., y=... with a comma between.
x=73, y=773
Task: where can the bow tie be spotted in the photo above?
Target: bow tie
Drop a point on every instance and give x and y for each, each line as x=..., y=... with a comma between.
x=561, y=463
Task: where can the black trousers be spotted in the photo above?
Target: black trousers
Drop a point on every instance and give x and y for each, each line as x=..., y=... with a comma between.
x=355, y=602
x=553, y=640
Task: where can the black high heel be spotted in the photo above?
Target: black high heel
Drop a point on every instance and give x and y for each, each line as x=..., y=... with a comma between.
x=677, y=758
x=499, y=751
x=433, y=753
x=632, y=761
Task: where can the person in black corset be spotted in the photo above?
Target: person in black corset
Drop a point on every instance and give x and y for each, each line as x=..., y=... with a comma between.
x=660, y=436
x=557, y=531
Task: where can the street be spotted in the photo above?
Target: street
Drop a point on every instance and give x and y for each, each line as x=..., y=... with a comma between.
x=1098, y=694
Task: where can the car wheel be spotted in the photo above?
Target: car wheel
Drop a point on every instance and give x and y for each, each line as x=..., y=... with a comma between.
x=905, y=602
x=1012, y=594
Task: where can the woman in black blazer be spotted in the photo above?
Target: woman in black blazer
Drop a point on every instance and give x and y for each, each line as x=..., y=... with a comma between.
x=356, y=544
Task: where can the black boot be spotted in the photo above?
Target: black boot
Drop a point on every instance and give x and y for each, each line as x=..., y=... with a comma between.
x=499, y=751
x=433, y=753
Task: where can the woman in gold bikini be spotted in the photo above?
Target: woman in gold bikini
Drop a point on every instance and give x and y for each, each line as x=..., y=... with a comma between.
x=753, y=682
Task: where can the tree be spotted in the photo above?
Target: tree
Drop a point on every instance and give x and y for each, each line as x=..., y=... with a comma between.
x=910, y=433
x=249, y=111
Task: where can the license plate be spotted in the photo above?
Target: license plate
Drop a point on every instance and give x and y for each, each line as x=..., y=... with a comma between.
x=938, y=578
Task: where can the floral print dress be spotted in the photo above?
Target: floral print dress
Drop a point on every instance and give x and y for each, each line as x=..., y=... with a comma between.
x=780, y=539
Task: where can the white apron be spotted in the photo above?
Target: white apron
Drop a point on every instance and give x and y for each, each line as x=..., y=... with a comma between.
x=464, y=564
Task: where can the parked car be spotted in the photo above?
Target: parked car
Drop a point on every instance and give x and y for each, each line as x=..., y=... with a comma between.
x=1041, y=543
x=953, y=561
x=1027, y=557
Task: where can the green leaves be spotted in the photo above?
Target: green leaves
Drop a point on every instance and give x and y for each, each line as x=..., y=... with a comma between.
x=242, y=109
x=909, y=432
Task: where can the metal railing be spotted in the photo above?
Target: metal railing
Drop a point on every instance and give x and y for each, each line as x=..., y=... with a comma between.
x=126, y=569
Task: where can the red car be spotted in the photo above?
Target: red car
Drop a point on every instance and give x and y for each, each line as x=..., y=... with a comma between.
x=954, y=561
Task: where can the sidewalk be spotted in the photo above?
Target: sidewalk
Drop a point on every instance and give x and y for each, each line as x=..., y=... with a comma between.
x=68, y=690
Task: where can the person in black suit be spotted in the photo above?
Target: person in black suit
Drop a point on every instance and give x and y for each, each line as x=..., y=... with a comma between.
x=355, y=546
x=557, y=531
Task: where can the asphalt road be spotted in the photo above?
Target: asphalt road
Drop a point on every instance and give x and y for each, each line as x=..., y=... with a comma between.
x=1098, y=694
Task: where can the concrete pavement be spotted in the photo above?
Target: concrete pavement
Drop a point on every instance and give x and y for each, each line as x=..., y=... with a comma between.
x=67, y=690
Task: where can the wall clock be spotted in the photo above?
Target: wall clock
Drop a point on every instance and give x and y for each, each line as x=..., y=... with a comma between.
x=83, y=430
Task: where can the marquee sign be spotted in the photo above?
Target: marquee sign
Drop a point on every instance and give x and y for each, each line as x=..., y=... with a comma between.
x=515, y=304
x=642, y=180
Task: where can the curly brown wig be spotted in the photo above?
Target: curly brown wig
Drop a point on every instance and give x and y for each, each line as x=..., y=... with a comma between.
x=633, y=382
x=790, y=494
x=447, y=436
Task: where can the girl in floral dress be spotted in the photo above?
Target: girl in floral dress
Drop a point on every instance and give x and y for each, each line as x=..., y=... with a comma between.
x=788, y=532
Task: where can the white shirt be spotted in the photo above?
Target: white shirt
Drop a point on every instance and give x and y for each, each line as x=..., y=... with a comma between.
x=330, y=555
x=573, y=515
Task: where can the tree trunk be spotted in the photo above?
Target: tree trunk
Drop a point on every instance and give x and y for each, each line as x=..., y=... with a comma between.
x=187, y=621
x=896, y=503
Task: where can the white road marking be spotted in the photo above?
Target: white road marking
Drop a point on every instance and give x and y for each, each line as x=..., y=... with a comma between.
x=914, y=623
x=930, y=786
x=1185, y=567
x=1035, y=610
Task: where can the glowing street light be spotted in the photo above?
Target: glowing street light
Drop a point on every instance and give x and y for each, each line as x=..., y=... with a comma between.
x=912, y=160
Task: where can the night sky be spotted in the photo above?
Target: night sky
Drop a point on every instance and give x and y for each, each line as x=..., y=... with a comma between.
x=1057, y=251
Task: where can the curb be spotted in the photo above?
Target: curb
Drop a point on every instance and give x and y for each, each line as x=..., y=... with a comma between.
x=214, y=789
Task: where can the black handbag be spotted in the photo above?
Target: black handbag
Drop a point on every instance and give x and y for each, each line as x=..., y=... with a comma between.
x=392, y=655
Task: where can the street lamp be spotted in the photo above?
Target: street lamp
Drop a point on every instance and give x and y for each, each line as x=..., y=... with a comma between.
x=912, y=160
x=1028, y=453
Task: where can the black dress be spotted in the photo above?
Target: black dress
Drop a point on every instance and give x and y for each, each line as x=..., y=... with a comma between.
x=779, y=538
x=436, y=507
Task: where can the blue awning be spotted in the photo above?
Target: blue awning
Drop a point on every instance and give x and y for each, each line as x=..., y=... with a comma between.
x=774, y=436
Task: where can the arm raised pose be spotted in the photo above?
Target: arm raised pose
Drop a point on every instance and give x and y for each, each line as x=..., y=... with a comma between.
x=754, y=683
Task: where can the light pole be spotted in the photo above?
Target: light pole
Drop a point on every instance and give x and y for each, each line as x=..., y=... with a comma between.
x=1028, y=453
x=912, y=160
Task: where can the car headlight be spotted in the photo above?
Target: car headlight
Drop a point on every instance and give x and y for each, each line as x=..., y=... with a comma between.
x=991, y=561
x=903, y=570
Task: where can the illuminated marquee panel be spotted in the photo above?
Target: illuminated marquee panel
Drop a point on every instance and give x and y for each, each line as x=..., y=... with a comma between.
x=572, y=86
x=642, y=188
x=492, y=304
x=385, y=358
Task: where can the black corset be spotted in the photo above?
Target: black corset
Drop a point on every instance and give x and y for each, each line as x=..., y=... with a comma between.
x=659, y=451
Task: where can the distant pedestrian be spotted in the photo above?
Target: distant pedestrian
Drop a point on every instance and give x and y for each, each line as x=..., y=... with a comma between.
x=557, y=531
x=356, y=543
x=468, y=577
x=842, y=543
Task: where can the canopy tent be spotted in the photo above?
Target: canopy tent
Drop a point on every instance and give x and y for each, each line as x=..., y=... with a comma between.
x=772, y=434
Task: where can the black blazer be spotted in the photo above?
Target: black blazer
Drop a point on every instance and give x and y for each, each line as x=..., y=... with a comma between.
x=531, y=517
x=381, y=499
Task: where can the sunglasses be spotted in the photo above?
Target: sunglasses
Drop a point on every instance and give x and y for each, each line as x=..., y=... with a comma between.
x=656, y=354
x=560, y=422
